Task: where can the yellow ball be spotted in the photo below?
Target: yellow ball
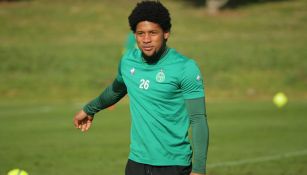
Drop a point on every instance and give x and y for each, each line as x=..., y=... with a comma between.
x=17, y=172
x=280, y=99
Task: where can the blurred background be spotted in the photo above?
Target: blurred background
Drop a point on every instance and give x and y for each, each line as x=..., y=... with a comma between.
x=57, y=55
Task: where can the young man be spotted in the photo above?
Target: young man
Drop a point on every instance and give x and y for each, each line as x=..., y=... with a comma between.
x=166, y=96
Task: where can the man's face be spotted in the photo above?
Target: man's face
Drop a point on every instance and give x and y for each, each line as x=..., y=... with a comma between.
x=150, y=37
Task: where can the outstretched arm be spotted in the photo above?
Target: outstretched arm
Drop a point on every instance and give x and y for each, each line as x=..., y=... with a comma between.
x=111, y=95
x=200, y=134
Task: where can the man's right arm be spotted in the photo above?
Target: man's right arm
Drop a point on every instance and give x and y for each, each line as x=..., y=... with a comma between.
x=111, y=95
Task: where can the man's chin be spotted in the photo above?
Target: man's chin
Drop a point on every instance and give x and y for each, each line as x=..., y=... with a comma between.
x=148, y=54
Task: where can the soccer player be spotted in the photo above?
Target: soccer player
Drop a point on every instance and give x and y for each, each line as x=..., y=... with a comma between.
x=166, y=96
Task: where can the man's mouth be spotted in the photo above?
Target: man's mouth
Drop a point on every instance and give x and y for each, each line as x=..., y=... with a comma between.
x=147, y=48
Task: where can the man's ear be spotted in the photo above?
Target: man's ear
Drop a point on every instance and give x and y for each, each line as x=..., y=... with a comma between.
x=166, y=35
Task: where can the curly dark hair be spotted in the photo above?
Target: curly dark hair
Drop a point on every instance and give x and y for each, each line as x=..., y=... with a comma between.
x=152, y=11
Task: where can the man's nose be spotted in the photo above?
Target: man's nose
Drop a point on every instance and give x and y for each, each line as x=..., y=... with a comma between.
x=147, y=38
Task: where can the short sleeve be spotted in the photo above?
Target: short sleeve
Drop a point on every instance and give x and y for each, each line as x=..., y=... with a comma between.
x=192, y=81
x=119, y=76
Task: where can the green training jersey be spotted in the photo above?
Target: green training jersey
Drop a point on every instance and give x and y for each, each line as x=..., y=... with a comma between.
x=159, y=119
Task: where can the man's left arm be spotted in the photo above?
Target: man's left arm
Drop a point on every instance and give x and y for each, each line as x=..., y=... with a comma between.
x=200, y=134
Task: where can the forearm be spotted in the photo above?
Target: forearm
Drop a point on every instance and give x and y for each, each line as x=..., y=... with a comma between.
x=200, y=138
x=111, y=95
x=200, y=134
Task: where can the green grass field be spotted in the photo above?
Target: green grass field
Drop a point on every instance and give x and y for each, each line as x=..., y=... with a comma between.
x=246, y=138
x=55, y=49
x=57, y=55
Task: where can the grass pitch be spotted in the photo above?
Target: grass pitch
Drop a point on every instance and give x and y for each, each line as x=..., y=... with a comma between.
x=57, y=49
x=245, y=138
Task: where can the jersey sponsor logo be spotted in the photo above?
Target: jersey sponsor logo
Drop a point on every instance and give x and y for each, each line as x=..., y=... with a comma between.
x=132, y=71
x=160, y=77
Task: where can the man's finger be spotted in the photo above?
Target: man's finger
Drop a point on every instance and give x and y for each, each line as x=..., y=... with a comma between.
x=76, y=123
x=83, y=126
x=88, y=124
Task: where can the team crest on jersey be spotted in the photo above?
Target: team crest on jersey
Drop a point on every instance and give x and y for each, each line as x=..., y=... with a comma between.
x=160, y=77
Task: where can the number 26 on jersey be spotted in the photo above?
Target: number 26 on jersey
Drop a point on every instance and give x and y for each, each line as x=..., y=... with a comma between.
x=144, y=84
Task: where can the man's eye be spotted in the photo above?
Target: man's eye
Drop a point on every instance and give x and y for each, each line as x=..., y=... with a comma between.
x=154, y=33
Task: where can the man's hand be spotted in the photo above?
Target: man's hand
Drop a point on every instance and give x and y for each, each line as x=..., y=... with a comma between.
x=83, y=121
x=196, y=174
